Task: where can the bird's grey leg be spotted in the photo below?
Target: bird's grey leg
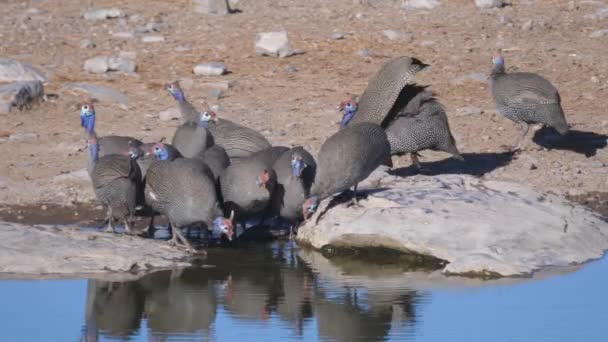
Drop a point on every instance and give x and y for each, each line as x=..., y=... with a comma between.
x=415, y=160
x=183, y=240
x=355, y=200
x=151, y=227
x=127, y=226
x=524, y=127
x=110, y=228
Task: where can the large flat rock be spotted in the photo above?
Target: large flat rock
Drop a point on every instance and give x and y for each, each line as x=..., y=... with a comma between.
x=27, y=251
x=478, y=227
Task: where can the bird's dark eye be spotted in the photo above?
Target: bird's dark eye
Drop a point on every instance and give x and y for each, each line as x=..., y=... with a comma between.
x=85, y=107
x=157, y=149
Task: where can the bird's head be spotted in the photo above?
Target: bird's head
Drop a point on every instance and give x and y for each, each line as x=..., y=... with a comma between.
x=348, y=109
x=176, y=91
x=497, y=59
x=310, y=207
x=87, y=116
x=159, y=151
x=133, y=152
x=223, y=226
x=263, y=179
x=297, y=164
x=206, y=117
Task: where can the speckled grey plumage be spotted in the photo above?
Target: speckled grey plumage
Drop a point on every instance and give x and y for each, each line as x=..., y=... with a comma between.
x=191, y=139
x=527, y=98
x=216, y=158
x=116, y=181
x=421, y=124
x=348, y=157
x=238, y=141
x=384, y=88
x=183, y=190
x=270, y=155
x=239, y=188
x=116, y=144
x=291, y=191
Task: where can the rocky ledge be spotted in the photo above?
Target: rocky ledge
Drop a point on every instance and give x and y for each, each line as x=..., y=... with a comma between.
x=27, y=251
x=478, y=227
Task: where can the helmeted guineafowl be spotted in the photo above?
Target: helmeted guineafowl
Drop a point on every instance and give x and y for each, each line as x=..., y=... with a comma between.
x=184, y=191
x=345, y=159
x=149, y=151
x=238, y=141
x=526, y=98
x=116, y=180
x=422, y=124
x=109, y=144
x=247, y=186
x=384, y=88
x=216, y=158
x=291, y=191
x=186, y=109
x=192, y=138
x=308, y=172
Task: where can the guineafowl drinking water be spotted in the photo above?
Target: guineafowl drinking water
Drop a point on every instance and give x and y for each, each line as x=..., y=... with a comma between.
x=184, y=191
x=526, y=98
x=291, y=190
x=116, y=180
x=345, y=159
x=110, y=144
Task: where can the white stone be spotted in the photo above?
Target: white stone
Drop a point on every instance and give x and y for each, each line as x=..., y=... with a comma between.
x=468, y=110
x=210, y=69
x=274, y=44
x=397, y=35
x=212, y=7
x=527, y=26
x=20, y=94
x=23, y=137
x=169, y=114
x=423, y=4
x=118, y=63
x=489, y=3
x=599, y=33
x=152, y=39
x=13, y=70
x=101, y=93
x=81, y=175
x=104, y=13
x=97, y=64
x=123, y=35
x=87, y=44
x=478, y=226
x=337, y=36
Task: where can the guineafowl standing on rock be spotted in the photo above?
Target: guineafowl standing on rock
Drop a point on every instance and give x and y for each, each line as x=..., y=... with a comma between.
x=384, y=88
x=110, y=144
x=421, y=125
x=345, y=159
x=116, y=180
x=526, y=98
x=192, y=138
x=184, y=191
x=238, y=141
x=186, y=109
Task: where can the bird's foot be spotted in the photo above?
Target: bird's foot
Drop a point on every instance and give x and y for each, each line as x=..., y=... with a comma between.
x=109, y=229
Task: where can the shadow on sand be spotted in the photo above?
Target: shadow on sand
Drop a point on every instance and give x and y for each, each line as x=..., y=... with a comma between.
x=475, y=164
x=582, y=142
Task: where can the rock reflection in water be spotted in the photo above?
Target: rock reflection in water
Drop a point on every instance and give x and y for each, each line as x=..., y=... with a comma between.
x=254, y=285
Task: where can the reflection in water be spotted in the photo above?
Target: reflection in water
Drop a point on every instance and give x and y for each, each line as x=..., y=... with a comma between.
x=257, y=285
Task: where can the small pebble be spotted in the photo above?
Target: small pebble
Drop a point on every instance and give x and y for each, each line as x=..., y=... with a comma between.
x=290, y=68
x=43, y=207
x=366, y=52
x=337, y=36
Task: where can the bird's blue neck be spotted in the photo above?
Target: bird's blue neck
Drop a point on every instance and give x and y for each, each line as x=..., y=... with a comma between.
x=88, y=122
x=203, y=123
x=163, y=154
x=296, y=168
x=179, y=96
x=348, y=115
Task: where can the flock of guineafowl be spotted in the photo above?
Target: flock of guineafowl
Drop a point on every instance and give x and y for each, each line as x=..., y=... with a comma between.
x=215, y=168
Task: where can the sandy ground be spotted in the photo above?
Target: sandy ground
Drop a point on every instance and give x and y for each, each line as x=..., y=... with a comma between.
x=299, y=107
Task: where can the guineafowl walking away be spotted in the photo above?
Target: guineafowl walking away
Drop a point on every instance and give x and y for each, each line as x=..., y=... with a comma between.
x=247, y=187
x=421, y=125
x=192, y=138
x=116, y=180
x=186, y=109
x=238, y=141
x=110, y=144
x=384, y=88
x=345, y=159
x=184, y=191
x=526, y=98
